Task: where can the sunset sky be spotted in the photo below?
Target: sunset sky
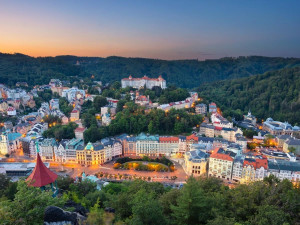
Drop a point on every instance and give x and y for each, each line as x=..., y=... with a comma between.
x=166, y=29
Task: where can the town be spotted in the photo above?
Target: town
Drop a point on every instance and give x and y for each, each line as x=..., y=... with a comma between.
x=57, y=121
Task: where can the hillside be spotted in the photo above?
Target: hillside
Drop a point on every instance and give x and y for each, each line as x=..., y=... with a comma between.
x=183, y=73
x=273, y=94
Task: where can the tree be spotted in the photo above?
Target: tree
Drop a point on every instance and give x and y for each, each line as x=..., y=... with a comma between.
x=292, y=149
x=146, y=209
x=99, y=102
x=96, y=215
x=29, y=205
x=192, y=204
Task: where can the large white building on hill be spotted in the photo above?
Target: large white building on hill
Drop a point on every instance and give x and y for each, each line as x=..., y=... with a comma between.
x=144, y=82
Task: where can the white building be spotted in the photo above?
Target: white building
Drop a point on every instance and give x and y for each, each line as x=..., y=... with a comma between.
x=11, y=111
x=73, y=94
x=220, y=165
x=144, y=82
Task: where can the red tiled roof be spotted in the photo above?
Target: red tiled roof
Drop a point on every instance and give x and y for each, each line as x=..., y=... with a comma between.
x=168, y=139
x=192, y=137
x=250, y=163
x=221, y=156
x=41, y=175
x=79, y=129
x=218, y=128
x=262, y=163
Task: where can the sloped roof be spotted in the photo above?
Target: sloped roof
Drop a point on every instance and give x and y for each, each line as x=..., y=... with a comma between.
x=41, y=175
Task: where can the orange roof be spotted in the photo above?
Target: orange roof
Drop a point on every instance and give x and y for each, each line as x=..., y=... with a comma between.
x=168, y=139
x=221, y=156
x=41, y=175
x=262, y=163
x=79, y=129
x=192, y=137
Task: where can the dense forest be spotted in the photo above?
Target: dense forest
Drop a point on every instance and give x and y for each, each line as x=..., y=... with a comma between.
x=200, y=201
x=273, y=94
x=182, y=73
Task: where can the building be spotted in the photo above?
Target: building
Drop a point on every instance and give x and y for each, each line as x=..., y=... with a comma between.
x=106, y=120
x=187, y=103
x=79, y=132
x=283, y=169
x=279, y=128
x=147, y=145
x=54, y=103
x=207, y=130
x=196, y=162
x=201, y=108
x=92, y=154
x=73, y=94
x=113, y=148
x=212, y=108
x=143, y=100
x=239, y=139
x=292, y=143
x=219, y=121
x=143, y=82
x=237, y=168
x=220, y=165
x=129, y=146
x=46, y=147
x=250, y=118
x=168, y=145
x=11, y=111
x=10, y=142
x=74, y=115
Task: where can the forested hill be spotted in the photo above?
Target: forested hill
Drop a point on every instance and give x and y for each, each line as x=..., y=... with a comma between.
x=183, y=73
x=273, y=94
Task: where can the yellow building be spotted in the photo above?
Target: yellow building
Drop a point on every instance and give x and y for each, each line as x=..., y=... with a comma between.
x=91, y=155
x=196, y=163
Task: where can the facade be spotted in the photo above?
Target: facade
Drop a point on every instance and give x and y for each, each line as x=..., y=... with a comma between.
x=196, y=163
x=11, y=111
x=237, y=168
x=73, y=94
x=74, y=115
x=168, y=145
x=47, y=147
x=79, y=132
x=219, y=121
x=292, y=143
x=187, y=103
x=201, y=109
x=129, y=146
x=92, y=154
x=220, y=165
x=142, y=100
x=143, y=82
x=283, y=169
x=147, y=145
x=212, y=108
x=10, y=142
x=279, y=128
x=249, y=117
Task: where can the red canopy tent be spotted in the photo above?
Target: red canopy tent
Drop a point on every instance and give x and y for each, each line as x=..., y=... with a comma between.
x=41, y=175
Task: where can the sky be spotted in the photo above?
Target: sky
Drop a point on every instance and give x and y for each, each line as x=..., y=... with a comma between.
x=164, y=29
